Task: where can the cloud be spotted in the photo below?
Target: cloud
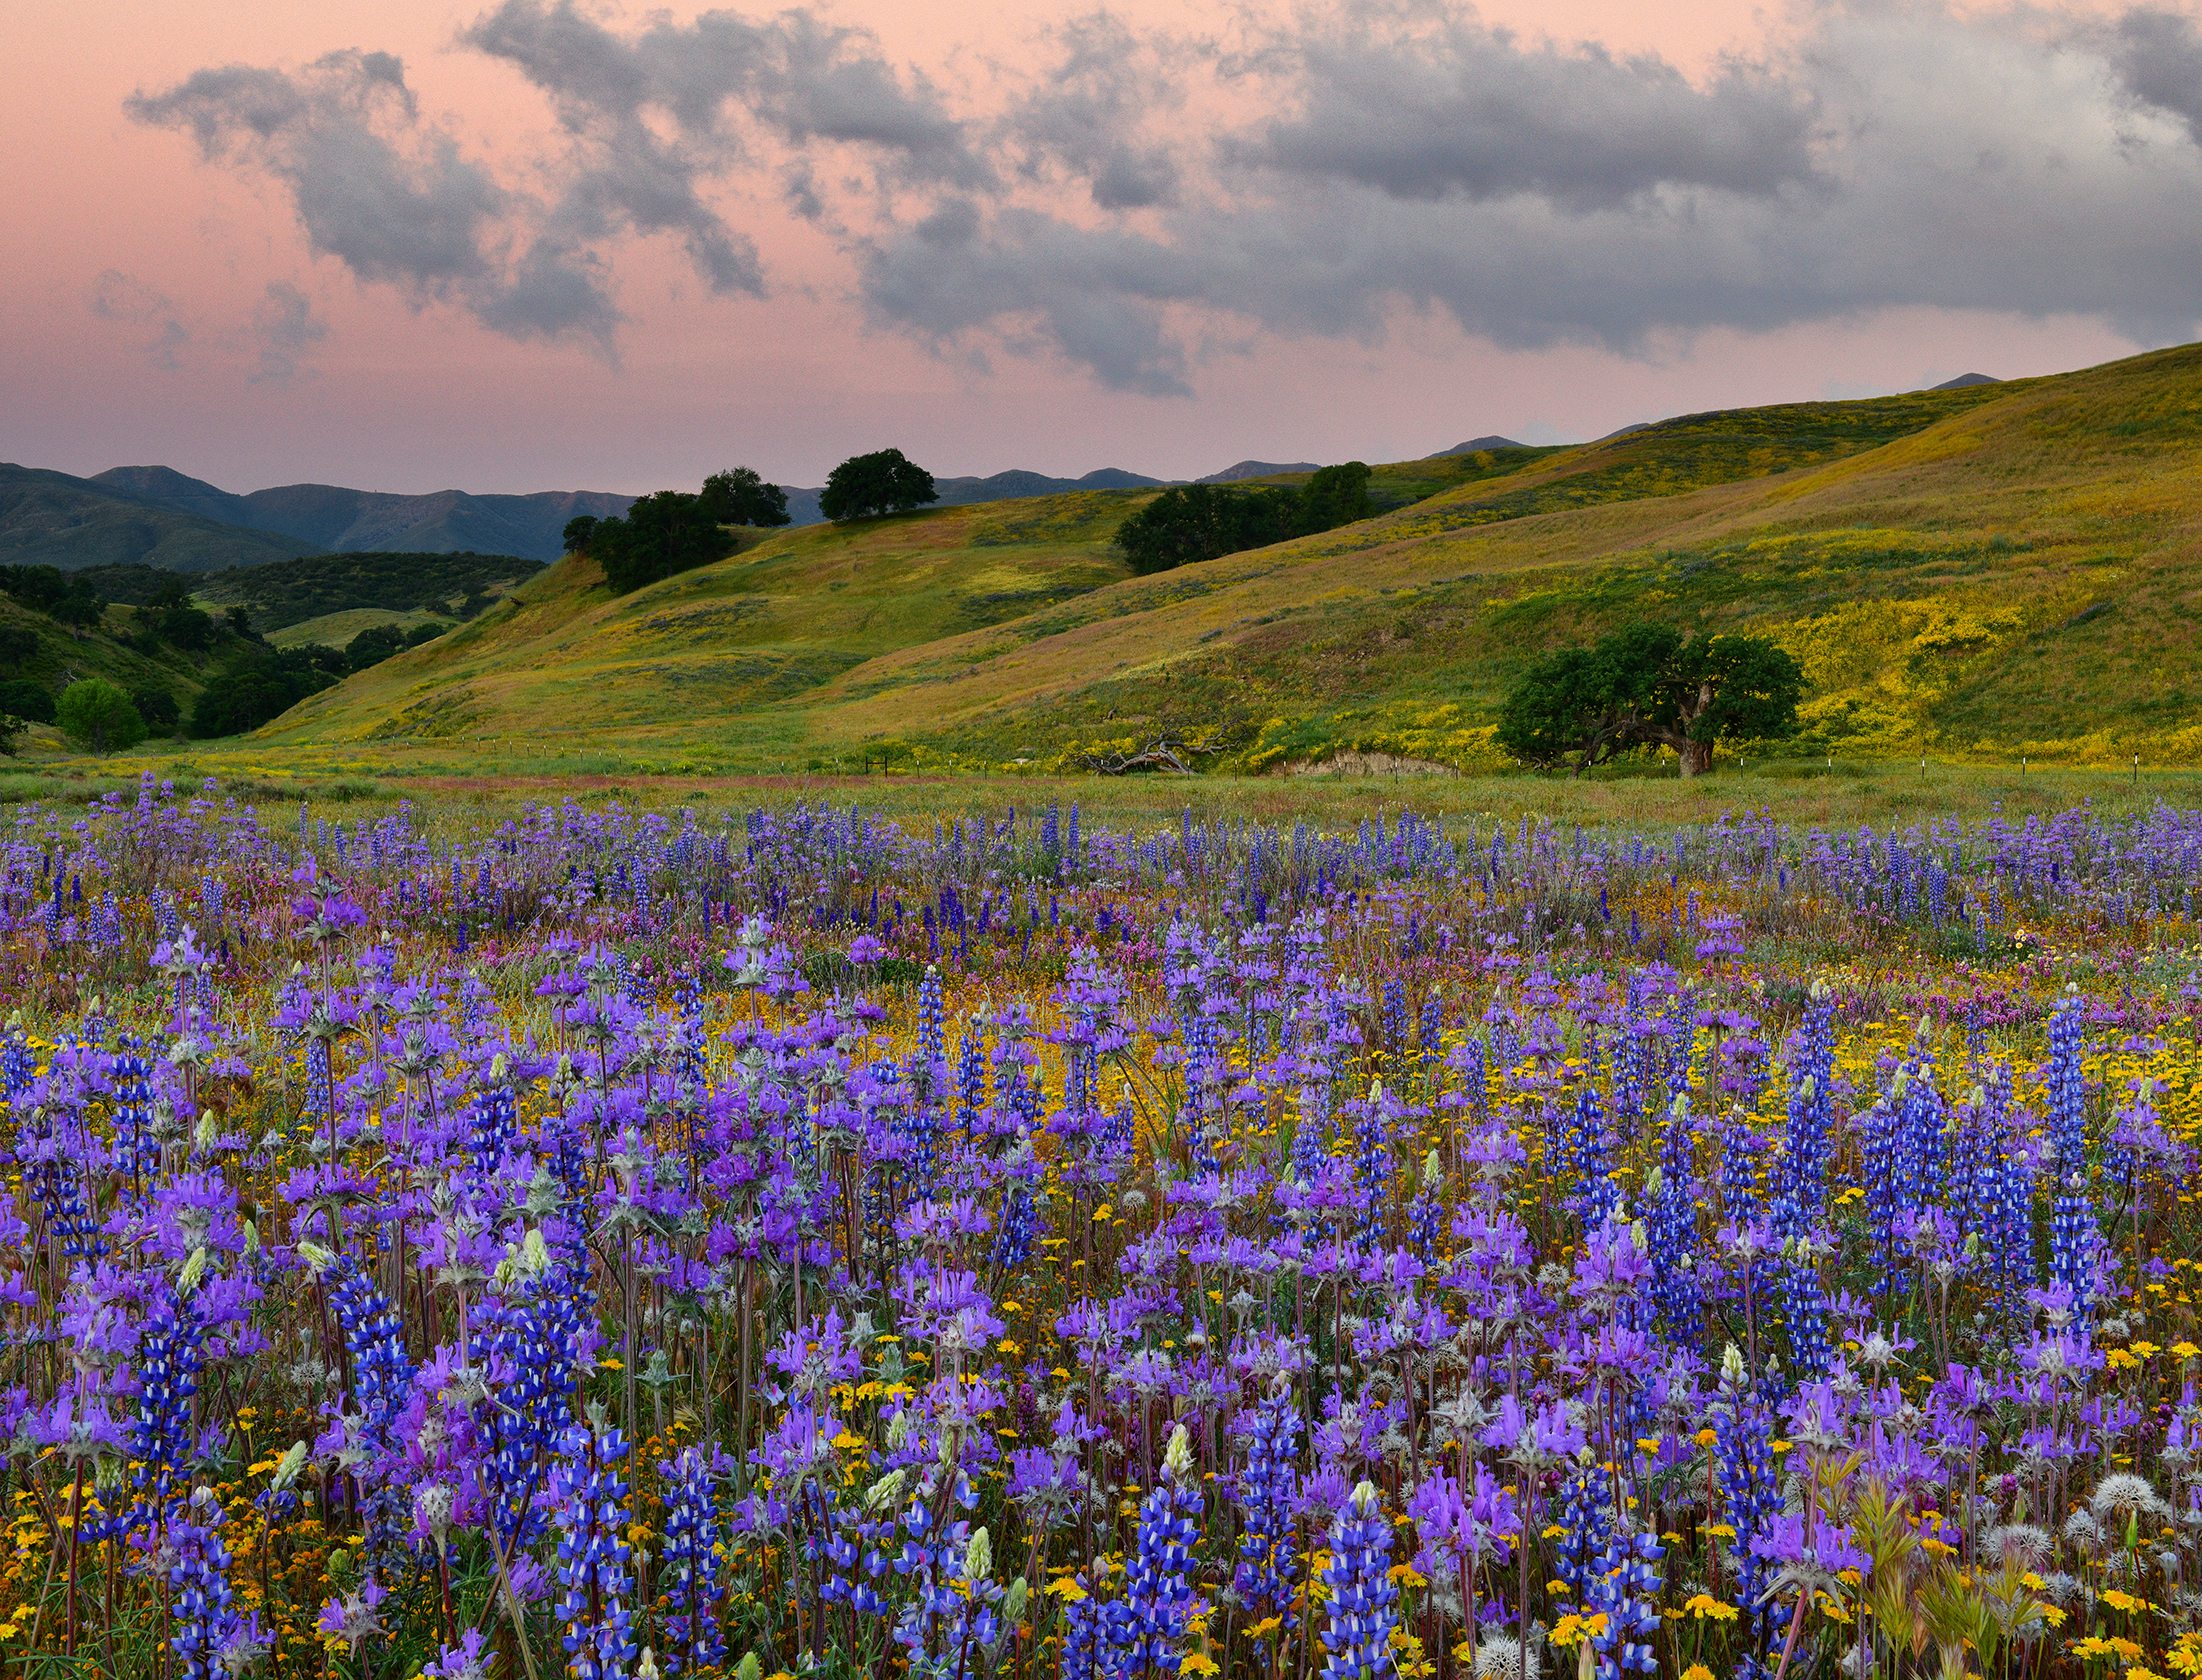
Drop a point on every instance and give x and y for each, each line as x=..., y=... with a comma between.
x=653, y=119
x=1434, y=107
x=2158, y=57
x=393, y=199
x=1136, y=198
x=1093, y=297
x=121, y=298
x=285, y=328
x=1885, y=158
x=1088, y=116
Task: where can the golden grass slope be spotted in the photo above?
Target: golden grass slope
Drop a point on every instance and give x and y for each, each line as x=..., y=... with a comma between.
x=2000, y=569
x=566, y=661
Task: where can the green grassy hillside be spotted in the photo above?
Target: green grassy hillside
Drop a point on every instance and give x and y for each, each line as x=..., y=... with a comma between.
x=566, y=662
x=1996, y=569
x=117, y=649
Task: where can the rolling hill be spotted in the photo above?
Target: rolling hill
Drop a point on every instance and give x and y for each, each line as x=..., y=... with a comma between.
x=1991, y=568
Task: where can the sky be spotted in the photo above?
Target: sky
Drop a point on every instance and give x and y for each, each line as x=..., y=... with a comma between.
x=549, y=244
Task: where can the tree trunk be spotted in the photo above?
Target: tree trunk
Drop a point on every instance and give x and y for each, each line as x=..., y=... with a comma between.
x=1696, y=756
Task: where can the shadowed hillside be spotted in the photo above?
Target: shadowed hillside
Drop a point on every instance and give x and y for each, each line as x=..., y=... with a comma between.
x=51, y=519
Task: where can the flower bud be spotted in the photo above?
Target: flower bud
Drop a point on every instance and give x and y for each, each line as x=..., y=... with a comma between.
x=194, y=1268
x=1177, y=1457
x=886, y=1491
x=978, y=1556
x=288, y=1467
x=317, y=1259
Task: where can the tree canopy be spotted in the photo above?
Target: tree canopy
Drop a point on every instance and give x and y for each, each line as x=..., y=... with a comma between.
x=1647, y=684
x=99, y=717
x=262, y=686
x=17, y=643
x=1194, y=522
x=738, y=496
x=676, y=530
x=885, y=481
x=60, y=595
x=30, y=701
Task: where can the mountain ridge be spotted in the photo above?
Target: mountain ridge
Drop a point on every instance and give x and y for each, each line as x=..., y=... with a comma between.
x=50, y=518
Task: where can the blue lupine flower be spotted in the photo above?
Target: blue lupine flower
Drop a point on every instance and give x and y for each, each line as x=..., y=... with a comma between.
x=1357, y=1639
x=591, y=1511
x=1625, y=1590
x=1148, y=1624
x=1265, y=1497
x=689, y=1569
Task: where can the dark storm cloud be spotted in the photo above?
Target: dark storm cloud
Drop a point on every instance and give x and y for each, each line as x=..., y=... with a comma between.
x=1140, y=198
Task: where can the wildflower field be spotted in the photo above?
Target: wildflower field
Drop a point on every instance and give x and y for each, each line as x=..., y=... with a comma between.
x=614, y=1242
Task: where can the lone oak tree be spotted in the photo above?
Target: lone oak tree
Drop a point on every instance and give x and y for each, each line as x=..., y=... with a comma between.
x=1646, y=684
x=885, y=481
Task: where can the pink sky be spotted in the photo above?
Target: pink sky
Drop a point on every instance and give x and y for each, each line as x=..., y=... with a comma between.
x=137, y=307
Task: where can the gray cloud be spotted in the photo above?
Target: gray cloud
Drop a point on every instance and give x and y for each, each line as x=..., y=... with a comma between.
x=2158, y=56
x=1143, y=197
x=392, y=199
x=1540, y=197
x=1088, y=117
x=285, y=328
x=123, y=299
x=1426, y=107
x=723, y=81
x=1094, y=297
x=331, y=134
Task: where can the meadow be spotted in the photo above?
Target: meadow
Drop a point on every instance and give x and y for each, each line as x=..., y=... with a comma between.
x=941, y=1227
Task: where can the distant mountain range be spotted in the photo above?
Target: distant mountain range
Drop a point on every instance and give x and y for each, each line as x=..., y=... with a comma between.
x=52, y=519
x=329, y=517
